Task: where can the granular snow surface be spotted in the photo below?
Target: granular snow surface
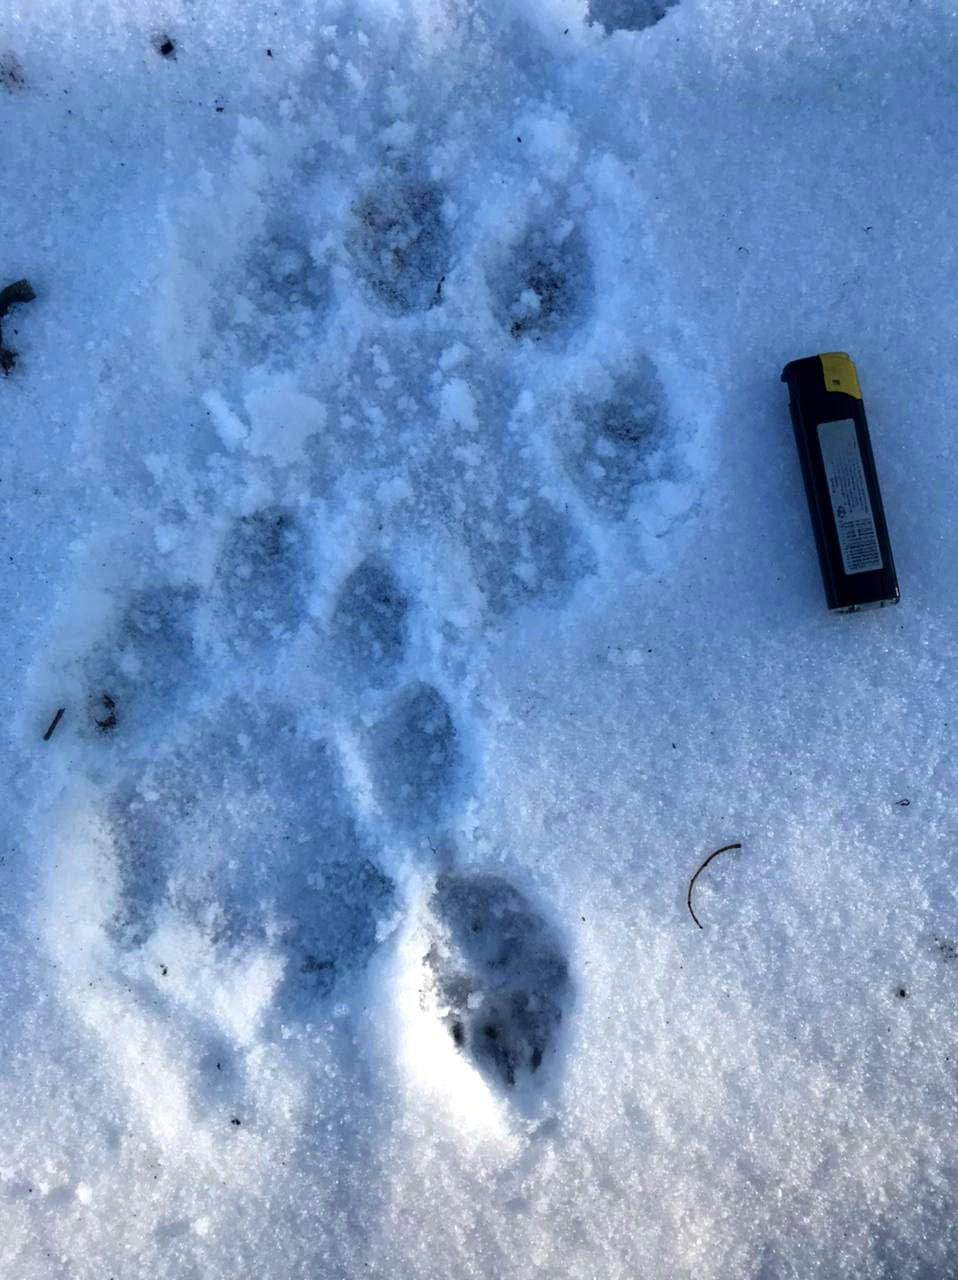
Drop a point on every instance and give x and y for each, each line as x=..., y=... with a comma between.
x=399, y=498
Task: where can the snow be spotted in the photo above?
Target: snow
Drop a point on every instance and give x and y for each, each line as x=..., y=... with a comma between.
x=400, y=498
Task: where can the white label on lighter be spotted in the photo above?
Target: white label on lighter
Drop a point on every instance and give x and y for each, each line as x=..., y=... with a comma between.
x=851, y=504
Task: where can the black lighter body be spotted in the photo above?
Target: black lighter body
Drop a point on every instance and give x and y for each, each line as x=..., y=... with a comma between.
x=841, y=482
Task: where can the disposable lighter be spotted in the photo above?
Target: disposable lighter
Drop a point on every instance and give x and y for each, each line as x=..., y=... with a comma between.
x=841, y=482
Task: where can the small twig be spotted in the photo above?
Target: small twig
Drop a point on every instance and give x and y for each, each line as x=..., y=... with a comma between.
x=724, y=849
x=53, y=724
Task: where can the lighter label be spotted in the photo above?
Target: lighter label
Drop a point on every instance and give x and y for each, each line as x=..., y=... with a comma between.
x=851, y=505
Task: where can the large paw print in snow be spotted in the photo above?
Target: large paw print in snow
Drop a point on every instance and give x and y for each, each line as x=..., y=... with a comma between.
x=134, y=675
x=262, y=577
x=334, y=917
x=369, y=623
x=540, y=284
x=528, y=551
x=415, y=759
x=399, y=244
x=619, y=441
x=499, y=977
x=141, y=822
x=247, y=840
x=282, y=301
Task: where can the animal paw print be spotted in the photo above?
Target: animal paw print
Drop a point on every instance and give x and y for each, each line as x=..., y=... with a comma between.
x=134, y=676
x=416, y=759
x=399, y=244
x=499, y=977
x=532, y=553
x=369, y=623
x=263, y=578
x=334, y=914
x=540, y=284
x=285, y=296
x=619, y=441
x=275, y=860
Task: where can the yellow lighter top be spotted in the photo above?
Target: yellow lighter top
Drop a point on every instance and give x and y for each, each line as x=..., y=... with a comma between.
x=840, y=373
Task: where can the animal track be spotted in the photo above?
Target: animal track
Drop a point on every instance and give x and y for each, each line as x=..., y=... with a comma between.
x=243, y=840
x=335, y=913
x=539, y=286
x=134, y=674
x=499, y=976
x=369, y=622
x=262, y=576
x=11, y=72
x=628, y=15
x=140, y=836
x=288, y=275
x=415, y=758
x=249, y=836
x=399, y=244
x=617, y=443
x=531, y=554
x=287, y=291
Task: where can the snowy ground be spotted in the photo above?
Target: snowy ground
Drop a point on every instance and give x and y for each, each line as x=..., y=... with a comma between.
x=400, y=498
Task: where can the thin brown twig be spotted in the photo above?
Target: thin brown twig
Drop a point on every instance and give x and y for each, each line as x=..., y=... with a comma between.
x=724, y=849
x=53, y=724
